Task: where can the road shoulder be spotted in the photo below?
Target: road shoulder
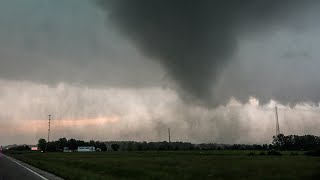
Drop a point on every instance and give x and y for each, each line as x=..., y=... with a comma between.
x=44, y=174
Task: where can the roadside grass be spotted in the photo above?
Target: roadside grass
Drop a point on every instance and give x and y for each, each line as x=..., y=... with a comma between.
x=221, y=164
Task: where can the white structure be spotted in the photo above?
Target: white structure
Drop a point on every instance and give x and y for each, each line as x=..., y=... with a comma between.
x=34, y=148
x=86, y=149
x=66, y=149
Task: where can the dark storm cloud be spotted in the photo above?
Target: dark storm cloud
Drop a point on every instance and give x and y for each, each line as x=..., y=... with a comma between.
x=194, y=40
x=201, y=45
x=66, y=41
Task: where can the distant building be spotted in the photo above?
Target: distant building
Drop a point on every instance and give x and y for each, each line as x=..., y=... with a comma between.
x=86, y=149
x=34, y=148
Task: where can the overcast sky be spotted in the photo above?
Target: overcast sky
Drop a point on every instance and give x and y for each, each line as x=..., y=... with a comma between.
x=212, y=71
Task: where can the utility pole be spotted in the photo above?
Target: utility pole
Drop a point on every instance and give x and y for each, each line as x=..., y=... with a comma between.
x=277, y=122
x=169, y=135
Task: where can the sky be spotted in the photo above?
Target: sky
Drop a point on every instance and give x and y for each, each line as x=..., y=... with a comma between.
x=211, y=71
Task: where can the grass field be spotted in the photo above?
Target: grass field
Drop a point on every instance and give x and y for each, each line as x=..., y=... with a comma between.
x=174, y=165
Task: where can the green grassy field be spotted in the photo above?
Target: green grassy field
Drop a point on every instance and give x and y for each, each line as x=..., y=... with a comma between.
x=174, y=165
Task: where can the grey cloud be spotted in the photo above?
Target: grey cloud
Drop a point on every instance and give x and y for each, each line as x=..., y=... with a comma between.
x=195, y=40
x=141, y=115
x=68, y=41
x=199, y=48
x=263, y=70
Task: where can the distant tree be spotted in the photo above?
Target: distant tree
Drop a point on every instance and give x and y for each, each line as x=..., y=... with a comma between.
x=72, y=144
x=115, y=147
x=101, y=145
x=294, y=142
x=82, y=143
x=20, y=148
x=279, y=141
x=61, y=143
x=51, y=146
x=42, y=144
x=92, y=143
x=130, y=146
x=274, y=153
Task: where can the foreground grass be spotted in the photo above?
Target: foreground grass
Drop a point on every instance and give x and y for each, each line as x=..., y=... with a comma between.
x=174, y=165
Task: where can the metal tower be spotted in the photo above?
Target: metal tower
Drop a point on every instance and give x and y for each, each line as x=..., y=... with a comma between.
x=277, y=122
x=169, y=135
x=49, y=128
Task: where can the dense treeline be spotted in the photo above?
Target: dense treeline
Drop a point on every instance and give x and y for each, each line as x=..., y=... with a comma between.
x=294, y=142
x=280, y=142
x=71, y=144
x=147, y=146
x=20, y=148
x=184, y=146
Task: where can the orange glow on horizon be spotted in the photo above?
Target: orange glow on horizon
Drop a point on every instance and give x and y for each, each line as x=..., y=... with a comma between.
x=29, y=126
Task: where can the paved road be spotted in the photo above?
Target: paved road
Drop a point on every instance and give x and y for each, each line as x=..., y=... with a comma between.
x=10, y=170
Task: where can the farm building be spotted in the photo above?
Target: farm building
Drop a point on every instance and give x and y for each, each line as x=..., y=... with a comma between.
x=86, y=149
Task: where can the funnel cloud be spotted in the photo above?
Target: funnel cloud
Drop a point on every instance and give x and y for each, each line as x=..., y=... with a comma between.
x=195, y=40
x=211, y=71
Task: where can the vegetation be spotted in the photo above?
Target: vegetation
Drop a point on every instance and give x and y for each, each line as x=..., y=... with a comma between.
x=274, y=153
x=285, y=158
x=115, y=147
x=294, y=142
x=20, y=148
x=280, y=142
x=71, y=144
x=218, y=164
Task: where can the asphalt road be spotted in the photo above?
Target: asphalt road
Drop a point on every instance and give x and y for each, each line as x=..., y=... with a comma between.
x=10, y=170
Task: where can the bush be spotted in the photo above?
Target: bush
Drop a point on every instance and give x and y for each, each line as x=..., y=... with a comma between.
x=251, y=154
x=115, y=147
x=20, y=148
x=262, y=153
x=274, y=153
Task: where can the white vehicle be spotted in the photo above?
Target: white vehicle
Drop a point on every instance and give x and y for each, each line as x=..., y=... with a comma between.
x=86, y=149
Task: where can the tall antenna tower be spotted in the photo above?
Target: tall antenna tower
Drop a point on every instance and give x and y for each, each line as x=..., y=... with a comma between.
x=277, y=122
x=49, y=128
x=169, y=135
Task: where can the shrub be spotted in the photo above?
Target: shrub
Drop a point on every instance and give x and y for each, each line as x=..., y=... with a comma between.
x=115, y=147
x=251, y=154
x=262, y=153
x=274, y=153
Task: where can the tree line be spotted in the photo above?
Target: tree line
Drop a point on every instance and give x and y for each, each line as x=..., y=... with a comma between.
x=295, y=142
x=71, y=144
x=280, y=142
